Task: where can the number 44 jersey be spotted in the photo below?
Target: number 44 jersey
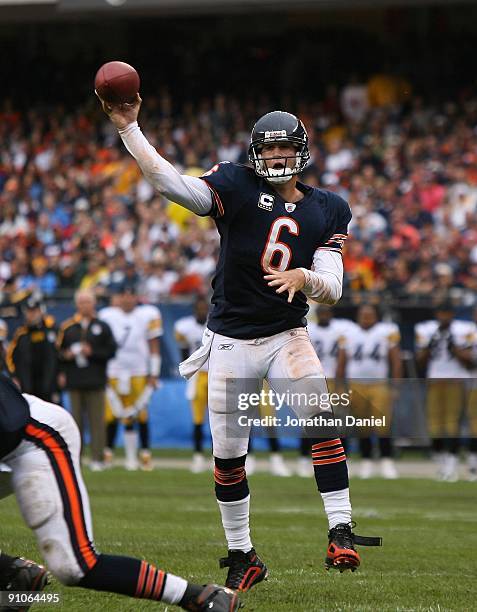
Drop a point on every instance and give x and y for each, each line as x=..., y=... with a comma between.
x=367, y=350
x=259, y=229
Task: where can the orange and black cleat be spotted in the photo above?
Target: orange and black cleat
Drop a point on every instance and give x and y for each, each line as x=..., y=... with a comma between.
x=245, y=570
x=22, y=575
x=211, y=597
x=341, y=553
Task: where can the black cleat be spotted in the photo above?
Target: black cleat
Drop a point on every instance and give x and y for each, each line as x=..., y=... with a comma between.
x=245, y=570
x=23, y=575
x=212, y=597
x=341, y=553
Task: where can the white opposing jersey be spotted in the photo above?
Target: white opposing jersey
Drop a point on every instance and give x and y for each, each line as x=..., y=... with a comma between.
x=442, y=364
x=367, y=350
x=132, y=330
x=188, y=332
x=326, y=341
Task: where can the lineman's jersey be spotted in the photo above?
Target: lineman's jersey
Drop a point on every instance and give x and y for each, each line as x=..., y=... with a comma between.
x=132, y=330
x=188, y=333
x=442, y=364
x=367, y=350
x=326, y=341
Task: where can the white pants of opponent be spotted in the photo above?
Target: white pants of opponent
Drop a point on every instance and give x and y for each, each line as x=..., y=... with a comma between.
x=286, y=360
x=54, y=502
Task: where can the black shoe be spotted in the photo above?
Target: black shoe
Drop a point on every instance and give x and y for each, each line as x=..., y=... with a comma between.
x=212, y=597
x=23, y=575
x=341, y=553
x=245, y=569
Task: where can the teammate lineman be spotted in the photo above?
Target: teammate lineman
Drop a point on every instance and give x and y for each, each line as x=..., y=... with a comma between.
x=280, y=243
x=40, y=443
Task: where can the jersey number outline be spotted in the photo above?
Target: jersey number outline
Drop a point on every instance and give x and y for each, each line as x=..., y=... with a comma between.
x=273, y=245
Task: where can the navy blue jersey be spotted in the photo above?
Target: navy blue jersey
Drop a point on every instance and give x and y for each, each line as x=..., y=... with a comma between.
x=258, y=229
x=14, y=415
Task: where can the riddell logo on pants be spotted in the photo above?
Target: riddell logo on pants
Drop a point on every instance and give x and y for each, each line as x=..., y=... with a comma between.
x=225, y=347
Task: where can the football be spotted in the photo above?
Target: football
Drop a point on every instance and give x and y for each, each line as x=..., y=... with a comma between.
x=117, y=82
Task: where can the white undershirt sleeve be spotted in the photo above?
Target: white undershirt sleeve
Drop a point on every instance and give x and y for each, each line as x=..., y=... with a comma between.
x=188, y=191
x=324, y=282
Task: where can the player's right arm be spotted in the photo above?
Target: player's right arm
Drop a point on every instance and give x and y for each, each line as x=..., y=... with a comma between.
x=188, y=191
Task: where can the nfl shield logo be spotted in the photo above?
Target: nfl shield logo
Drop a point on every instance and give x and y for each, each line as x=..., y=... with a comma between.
x=289, y=207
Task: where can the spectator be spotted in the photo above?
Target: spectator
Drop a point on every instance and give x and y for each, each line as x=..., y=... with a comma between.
x=95, y=274
x=409, y=172
x=354, y=100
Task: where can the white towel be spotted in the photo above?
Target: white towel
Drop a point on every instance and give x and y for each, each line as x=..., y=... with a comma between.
x=198, y=358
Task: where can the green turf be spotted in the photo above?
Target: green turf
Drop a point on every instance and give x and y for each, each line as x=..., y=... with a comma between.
x=428, y=561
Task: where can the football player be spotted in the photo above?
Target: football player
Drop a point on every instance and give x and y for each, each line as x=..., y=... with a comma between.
x=132, y=373
x=188, y=333
x=444, y=347
x=40, y=442
x=325, y=335
x=281, y=243
x=369, y=357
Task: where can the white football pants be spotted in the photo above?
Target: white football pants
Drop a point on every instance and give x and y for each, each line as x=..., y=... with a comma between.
x=50, y=491
x=286, y=360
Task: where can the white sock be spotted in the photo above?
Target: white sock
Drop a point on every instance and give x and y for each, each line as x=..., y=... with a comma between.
x=130, y=446
x=472, y=461
x=235, y=519
x=174, y=589
x=337, y=507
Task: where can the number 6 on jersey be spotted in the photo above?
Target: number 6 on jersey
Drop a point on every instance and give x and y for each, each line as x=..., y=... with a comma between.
x=273, y=245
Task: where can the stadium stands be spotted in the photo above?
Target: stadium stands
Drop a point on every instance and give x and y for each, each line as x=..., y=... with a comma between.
x=75, y=211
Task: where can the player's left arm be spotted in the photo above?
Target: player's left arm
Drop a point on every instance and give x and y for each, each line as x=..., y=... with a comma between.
x=463, y=351
x=322, y=284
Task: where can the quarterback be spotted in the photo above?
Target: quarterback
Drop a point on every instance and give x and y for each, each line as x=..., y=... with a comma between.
x=281, y=243
x=132, y=373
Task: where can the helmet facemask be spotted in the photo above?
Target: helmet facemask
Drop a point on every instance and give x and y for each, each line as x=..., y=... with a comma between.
x=280, y=174
x=284, y=173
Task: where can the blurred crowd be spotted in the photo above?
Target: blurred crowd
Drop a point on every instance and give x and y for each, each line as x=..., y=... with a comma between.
x=75, y=211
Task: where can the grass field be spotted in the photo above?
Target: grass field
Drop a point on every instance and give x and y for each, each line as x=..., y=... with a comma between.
x=428, y=561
